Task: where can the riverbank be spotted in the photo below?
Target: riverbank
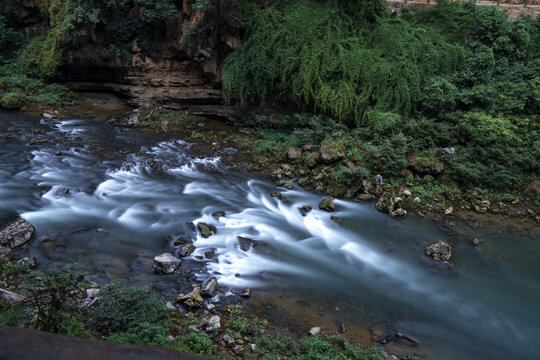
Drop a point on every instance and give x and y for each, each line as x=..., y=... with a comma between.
x=210, y=143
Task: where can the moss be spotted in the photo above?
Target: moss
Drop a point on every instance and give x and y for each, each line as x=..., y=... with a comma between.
x=12, y=101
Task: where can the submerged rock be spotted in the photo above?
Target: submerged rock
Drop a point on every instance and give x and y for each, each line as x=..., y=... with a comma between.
x=328, y=204
x=279, y=195
x=206, y=229
x=166, y=264
x=337, y=220
x=477, y=242
x=16, y=233
x=245, y=243
x=439, y=251
x=218, y=214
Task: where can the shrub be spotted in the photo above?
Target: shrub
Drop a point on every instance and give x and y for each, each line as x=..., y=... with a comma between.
x=143, y=334
x=122, y=308
x=196, y=343
x=12, y=101
x=52, y=293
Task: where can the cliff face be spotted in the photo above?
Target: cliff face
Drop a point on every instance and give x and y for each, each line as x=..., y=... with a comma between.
x=185, y=71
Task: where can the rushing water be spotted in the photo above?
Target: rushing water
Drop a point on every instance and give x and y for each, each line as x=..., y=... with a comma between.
x=133, y=205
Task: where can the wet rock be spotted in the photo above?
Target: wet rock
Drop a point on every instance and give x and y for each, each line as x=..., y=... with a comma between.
x=210, y=287
x=245, y=243
x=439, y=251
x=209, y=254
x=218, y=214
x=278, y=195
x=206, y=229
x=166, y=264
x=328, y=204
x=380, y=334
x=314, y=331
x=182, y=241
x=11, y=298
x=337, y=220
x=399, y=212
x=61, y=192
x=403, y=336
x=186, y=250
x=288, y=185
x=16, y=233
x=29, y=261
x=246, y=292
x=304, y=210
x=477, y=242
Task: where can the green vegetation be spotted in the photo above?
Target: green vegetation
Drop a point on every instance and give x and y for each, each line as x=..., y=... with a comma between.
x=136, y=315
x=456, y=76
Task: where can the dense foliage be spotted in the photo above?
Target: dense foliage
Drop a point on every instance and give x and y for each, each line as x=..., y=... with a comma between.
x=455, y=76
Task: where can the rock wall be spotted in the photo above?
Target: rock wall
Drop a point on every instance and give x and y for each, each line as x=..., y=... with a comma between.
x=185, y=73
x=515, y=8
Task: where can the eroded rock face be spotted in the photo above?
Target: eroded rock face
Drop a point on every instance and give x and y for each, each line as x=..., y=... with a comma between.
x=166, y=264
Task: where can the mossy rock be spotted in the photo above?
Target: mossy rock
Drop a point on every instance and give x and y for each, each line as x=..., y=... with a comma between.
x=328, y=204
x=206, y=229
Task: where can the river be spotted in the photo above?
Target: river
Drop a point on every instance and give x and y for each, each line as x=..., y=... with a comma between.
x=131, y=195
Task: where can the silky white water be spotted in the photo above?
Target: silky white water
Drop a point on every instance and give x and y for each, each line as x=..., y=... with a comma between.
x=138, y=203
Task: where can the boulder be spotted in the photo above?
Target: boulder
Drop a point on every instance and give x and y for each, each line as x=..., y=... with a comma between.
x=16, y=233
x=304, y=210
x=328, y=204
x=439, y=251
x=209, y=288
x=166, y=264
x=186, y=250
x=11, y=298
x=206, y=229
x=245, y=243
